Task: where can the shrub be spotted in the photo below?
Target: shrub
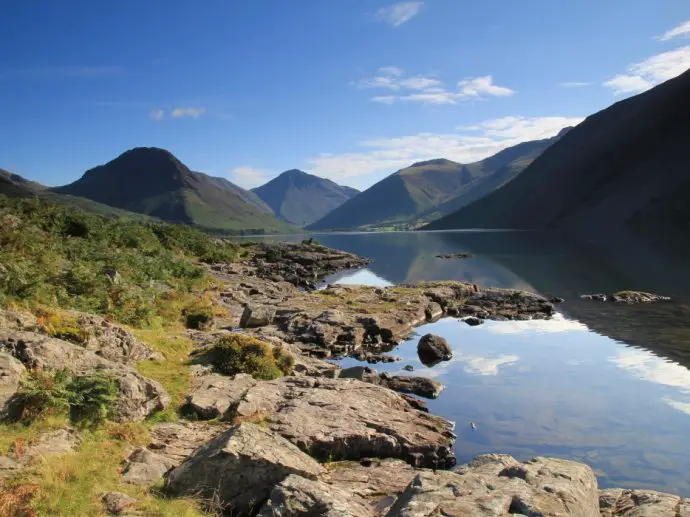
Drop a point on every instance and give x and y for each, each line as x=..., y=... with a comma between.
x=238, y=353
x=62, y=326
x=198, y=318
x=87, y=398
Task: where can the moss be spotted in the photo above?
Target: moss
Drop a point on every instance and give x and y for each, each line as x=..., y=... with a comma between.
x=61, y=325
x=239, y=353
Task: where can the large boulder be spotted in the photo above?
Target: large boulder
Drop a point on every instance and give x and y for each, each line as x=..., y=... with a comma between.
x=213, y=395
x=433, y=349
x=10, y=372
x=144, y=467
x=617, y=502
x=240, y=467
x=138, y=395
x=346, y=419
x=297, y=496
x=422, y=386
x=498, y=485
x=177, y=440
x=257, y=316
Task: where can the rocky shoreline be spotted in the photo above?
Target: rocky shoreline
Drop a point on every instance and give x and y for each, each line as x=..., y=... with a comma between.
x=323, y=441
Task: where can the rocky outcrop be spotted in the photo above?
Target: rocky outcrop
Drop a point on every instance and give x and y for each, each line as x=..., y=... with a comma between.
x=52, y=443
x=15, y=320
x=176, y=441
x=433, y=349
x=617, y=502
x=296, y=496
x=213, y=395
x=138, y=395
x=629, y=297
x=498, y=486
x=422, y=386
x=144, y=467
x=240, y=467
x=348, y=419
x=10, y=372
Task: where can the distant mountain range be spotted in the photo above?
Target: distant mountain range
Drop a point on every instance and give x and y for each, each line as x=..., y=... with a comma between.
x=626, y=167
x=300, y=198
x=152, y=181
x=428, y=190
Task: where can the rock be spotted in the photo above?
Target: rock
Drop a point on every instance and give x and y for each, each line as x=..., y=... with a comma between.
x=497, y=486
x=138, y=395
x=113, y=342
x=637, y=297
x=240, y=467
x=422, y=386
x=348, y=419
x=8, y=467
x=144, y=467
x=14, y=320
x=257, y=316
x=556, y=299
x=408, y=368
x=455, y=256
x=116, y=502
x=10, y=372
x=176, y=441
x=296, y=496
x=433, y=348
x=213, y=395
x=52, y=443
x=472, y=321
x=374, y=482
x=617, y=502
x=595, y=297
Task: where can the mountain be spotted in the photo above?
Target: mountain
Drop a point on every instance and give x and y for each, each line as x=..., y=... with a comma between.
x=15, y=185
x=300, y=198
x=428, y=190
x=152, y=181
x=626, y=167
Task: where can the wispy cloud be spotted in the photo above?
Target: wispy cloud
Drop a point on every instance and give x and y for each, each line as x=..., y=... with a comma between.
x=399, y=13
x=157, y=114
x=575, y=84
x=62, y=72
x=187, y=112
x=468, y=144
x=650, y=72
x=555, y=325
x=646, y=366
x=428, y=90
x=249, y=177
x=683, y=30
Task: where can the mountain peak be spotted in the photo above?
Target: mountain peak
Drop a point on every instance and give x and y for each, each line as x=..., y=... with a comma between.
x=434, y=162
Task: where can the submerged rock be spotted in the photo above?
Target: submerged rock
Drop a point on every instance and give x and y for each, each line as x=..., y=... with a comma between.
x=349, y=419
x=422, y=386
x=472, y=321
x=498, y=485
x=630, y=297
x=240, y=467
x=433, y=349
x=455, y=256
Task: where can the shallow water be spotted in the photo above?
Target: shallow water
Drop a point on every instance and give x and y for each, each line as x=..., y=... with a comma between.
x=601, y=383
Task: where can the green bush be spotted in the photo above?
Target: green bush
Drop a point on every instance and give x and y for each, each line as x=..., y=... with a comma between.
x=198, y=318
x=86, y=398
x=238, y=353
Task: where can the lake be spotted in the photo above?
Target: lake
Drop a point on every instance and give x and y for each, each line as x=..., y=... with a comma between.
x=601, y=383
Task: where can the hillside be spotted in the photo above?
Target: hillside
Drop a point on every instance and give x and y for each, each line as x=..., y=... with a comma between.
x=627, y=166
x=152, y=181
x=15, y=185
x=300, y=198
x=431, y=189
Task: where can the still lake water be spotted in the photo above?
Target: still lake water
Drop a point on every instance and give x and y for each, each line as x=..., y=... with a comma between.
x=605, y=384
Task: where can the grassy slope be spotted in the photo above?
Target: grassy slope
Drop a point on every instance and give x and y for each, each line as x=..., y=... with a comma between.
x=623, y=165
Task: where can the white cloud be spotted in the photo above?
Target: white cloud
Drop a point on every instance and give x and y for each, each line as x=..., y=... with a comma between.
x=487, y=365
x=189, y=112
x=480, y=86
x=680, y=406
x=575, y=84
x=390, y=154
x=648, y=367
x=249, y=177
x=399, y=13
x=157, y=114
x=650, y=72
x=555, y=325
x=428, y=90
x=683, y=30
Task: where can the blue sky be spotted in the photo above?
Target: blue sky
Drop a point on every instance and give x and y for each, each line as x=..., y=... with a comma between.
x=347, y=89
